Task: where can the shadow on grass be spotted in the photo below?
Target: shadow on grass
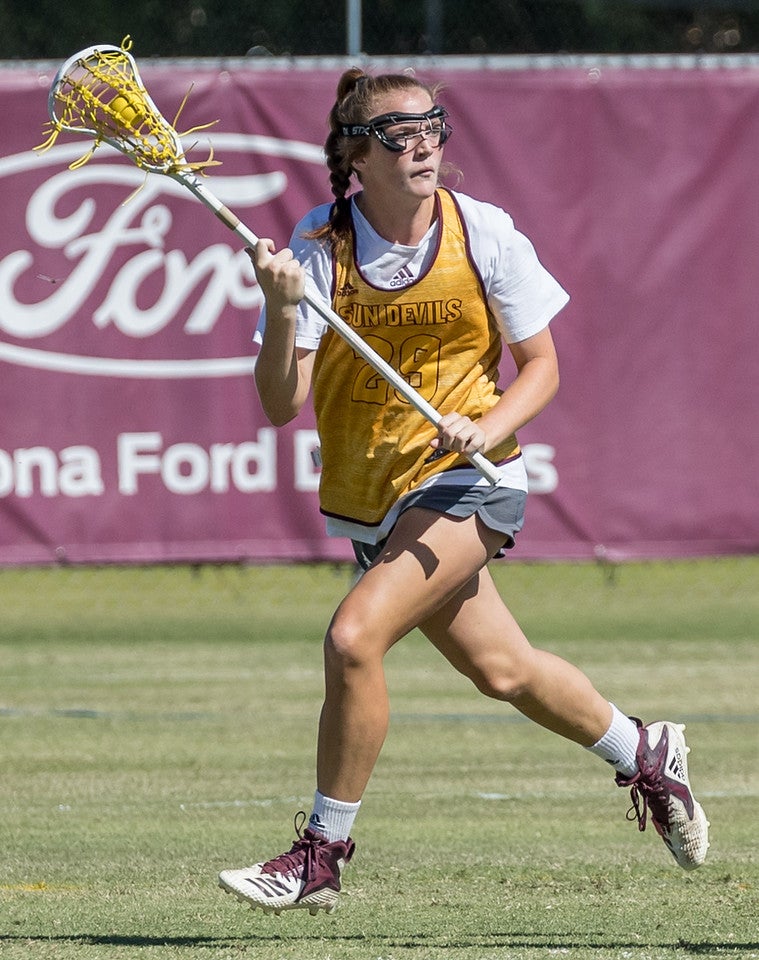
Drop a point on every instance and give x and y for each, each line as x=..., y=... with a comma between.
x=513, y=939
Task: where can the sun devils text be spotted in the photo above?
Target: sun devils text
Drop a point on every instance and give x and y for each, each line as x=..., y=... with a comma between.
x=362, y=315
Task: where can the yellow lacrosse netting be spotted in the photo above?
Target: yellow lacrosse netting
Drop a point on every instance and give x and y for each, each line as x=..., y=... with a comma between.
x=98, y=92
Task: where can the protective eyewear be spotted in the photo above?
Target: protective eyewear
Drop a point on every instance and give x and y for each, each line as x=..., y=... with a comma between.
x=400, y=131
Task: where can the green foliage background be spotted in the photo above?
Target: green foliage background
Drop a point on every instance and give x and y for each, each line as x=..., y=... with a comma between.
x=232, y=28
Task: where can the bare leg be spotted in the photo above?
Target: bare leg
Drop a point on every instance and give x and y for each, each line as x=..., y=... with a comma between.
x=476, y=632
x=433, y=574
x=416, y=573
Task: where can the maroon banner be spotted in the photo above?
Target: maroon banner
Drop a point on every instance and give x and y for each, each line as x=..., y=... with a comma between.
x=131, y=430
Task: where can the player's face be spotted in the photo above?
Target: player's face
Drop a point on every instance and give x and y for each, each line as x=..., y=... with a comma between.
x=412, y=172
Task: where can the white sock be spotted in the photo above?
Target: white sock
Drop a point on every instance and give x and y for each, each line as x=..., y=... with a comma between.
x=333, y=819
x=619, y=745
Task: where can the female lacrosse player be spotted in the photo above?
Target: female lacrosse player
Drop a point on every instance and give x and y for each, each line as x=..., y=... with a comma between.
x=436, y=282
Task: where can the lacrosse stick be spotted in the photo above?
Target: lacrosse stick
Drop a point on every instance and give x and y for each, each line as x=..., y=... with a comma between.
x=98, y=92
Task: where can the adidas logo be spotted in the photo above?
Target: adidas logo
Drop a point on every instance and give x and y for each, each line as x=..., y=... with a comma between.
x=316, y=823
x=403, y=278
x=676, y=767
x=347, y=290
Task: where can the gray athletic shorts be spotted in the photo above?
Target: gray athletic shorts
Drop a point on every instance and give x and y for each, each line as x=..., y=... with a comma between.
x=499, y=508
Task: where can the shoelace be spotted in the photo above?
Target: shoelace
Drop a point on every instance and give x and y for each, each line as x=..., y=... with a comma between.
x=304, y=852
x=639, y=809
x=648, y=798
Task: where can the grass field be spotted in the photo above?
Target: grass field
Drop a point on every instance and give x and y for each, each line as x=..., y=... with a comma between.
x=157, y=725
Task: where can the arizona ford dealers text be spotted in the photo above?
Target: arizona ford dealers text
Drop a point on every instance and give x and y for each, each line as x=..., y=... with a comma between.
x=189, y=468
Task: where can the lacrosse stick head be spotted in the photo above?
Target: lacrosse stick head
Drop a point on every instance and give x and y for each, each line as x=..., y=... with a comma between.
x=99, y=93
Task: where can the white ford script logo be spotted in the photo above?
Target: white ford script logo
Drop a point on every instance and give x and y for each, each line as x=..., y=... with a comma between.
x=134, y=238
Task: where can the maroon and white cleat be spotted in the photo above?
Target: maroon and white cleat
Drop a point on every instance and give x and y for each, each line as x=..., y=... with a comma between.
x=307, y=877
x=661, y=788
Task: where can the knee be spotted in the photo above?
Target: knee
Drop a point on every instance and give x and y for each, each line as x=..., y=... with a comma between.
x=506, y=682
x=347, y=644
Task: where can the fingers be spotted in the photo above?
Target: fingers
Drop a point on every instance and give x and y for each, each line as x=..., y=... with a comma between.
x=279, y=274
x=459, y=435
x=261, y=253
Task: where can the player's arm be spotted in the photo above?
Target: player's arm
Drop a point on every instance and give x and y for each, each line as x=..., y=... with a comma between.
x=283, y=371
x=532, y=389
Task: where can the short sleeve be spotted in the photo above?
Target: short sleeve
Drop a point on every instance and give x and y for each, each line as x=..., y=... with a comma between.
x=522, y=294
x=316, y=259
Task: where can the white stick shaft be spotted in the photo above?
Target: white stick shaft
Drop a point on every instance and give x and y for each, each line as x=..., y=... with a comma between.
x=336, y=322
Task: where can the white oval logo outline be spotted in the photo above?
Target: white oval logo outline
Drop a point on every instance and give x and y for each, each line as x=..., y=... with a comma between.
x=213, y=367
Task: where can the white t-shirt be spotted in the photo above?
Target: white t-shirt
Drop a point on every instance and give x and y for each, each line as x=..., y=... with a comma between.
x=521, y=293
